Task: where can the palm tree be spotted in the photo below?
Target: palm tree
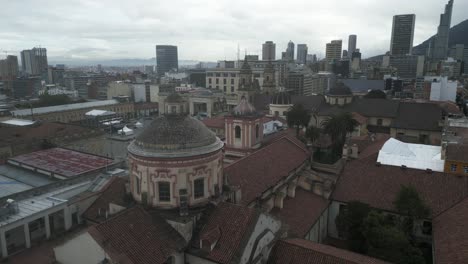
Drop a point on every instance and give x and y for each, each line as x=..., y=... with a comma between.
x=313, y=133
x=338, y=126
x=298, y=117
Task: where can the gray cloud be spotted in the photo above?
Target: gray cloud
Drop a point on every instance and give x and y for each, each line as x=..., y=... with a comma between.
x=207, y=29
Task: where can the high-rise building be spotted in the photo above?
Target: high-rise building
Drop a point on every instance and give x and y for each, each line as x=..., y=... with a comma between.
x=290, y=50
x=333, y=51
x=34, y=61
x=302, y=53
x=352, y=41
x=166, y=59
x=9, y=68
x=439, y=45
x=345, y=54
x=311, y=58
x=269, y=51
x=402, y=34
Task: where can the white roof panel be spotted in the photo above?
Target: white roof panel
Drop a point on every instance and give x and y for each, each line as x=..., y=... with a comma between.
x=416, y=156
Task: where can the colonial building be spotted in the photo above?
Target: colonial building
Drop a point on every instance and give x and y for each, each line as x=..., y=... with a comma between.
x=176, y=161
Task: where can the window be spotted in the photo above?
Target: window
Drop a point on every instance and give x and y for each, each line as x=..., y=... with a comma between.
x=243, y=81
x=224, y=81
x=137, y=185
x=232, y=89
x=173, y=109
x=225, y=74
x=233, y=75
x=453, y=167
x=209, y=80
x=218, y=74
x=232, y=81
x=217, y=81
x=199, y=188
x=379, y=122
x=268, y=78
x=224, y=88
x=257, y=130
x=164, y=190
x=276, y=113
x=465, y=169
x=238, y=132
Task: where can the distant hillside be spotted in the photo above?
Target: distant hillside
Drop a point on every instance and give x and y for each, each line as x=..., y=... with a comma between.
x=458, y=35
x=113, y=62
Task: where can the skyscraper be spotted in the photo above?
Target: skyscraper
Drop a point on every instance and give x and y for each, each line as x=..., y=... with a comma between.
x=269, y=51
x=439, y=45
x=352, y=41
x=9, y=68
x=302, y=53
x=402, y=34
x=34, y=61
x=333, y=50
x=166, y=59
x=290, y=50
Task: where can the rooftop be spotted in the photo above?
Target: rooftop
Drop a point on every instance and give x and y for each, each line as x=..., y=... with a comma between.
x=450, y=235
x=263, y=169
x=415, y=156
x=232, y=223
x=457, y=152
x=378, y=185
x=363, y=86
x=135, y=236
x=300, y=221
x=60, y=162
x=301, y=251
x=37, y=204
x=95, y=113
x=61, y=108
x=419, y=116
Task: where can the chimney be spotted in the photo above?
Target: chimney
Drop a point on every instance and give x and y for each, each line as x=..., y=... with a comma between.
x=354, y=151
x=345, y=151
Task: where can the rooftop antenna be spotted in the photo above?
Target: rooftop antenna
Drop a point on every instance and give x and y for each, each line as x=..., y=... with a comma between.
x=238, y=52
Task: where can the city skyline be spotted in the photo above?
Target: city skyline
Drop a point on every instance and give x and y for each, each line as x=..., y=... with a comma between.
x=78, y=30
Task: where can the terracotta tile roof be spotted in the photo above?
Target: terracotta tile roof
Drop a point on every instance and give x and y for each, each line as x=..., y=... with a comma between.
x=359, y=118
x=262, y=169
x=457, y=152
x=114, y=192
x=363, y=180
x=301, y=212
x=136, y=237
x=233, y=222
x=300, y=251
x=450, y=235
x=214, y=122
x=368, y=145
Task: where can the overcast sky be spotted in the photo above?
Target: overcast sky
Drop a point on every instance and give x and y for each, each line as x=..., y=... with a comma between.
x=207, y=30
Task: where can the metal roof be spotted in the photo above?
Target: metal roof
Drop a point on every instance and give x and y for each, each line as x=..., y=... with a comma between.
x=60, y=108
x=18, y=122
x=10, y=186
x=34, y=205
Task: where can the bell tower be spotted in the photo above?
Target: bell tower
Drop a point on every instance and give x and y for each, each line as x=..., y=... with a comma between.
x=243, y=130
x=269, y=82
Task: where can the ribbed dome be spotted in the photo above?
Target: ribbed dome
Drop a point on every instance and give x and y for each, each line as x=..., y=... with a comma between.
x=340, y=89
x=281, y=98
x=175, y=136
x=244, y=108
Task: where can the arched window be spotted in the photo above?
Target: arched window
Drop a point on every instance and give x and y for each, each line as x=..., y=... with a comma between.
x=238, y=132
x=268, y=78
x=379, y=122
x=257, y=131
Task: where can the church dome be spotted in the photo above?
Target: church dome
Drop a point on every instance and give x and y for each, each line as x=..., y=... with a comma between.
x=281, y=98
x=170, y=136
x=244, y=108
x=340, y=89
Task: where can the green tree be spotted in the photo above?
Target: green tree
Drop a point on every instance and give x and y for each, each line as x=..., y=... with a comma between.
x=376, y=94
x=338, y=126
x=411, y=206
x=313, y=133
x=386, y=241
x=298, y=117
x=349, y=224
